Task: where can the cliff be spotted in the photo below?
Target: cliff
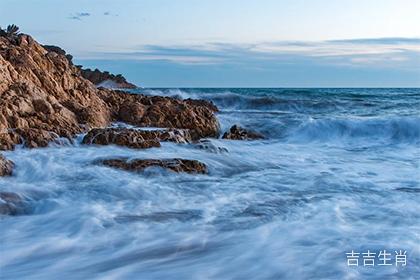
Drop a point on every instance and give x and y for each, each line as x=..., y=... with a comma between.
x=43, y=96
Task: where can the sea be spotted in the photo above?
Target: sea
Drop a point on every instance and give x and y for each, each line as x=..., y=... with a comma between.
x=333, y=192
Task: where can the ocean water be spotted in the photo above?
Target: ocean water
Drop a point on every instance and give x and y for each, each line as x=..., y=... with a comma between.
x=338, y=172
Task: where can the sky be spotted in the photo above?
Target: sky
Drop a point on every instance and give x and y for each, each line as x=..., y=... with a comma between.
x=233, y=43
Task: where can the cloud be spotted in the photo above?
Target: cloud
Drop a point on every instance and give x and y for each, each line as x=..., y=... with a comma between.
x=79, y=16
x=398, y=53
x=107, y=13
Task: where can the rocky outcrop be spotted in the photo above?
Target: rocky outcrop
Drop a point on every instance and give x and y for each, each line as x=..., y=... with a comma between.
x=135, y=138
x=44, y=96
x=6, y=167
x=51, y=48
x=165, y=112
x=238, y=133
x=176, y=165
x=106, y=79
x=96, y=76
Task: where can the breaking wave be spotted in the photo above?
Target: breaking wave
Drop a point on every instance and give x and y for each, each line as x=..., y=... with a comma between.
x=391, y=130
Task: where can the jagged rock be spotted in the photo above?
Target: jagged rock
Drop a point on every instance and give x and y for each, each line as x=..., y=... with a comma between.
x=44, y=96
x=176, y=164
x=106, y=79
x=11, y=204
x=135, y=138
x=36, y=138
x=59, y=50
x=36, y=85
x=165, y=112
x=6, y=166
x=122, y=137
x=238, y=133
x=9, y=139
x=206, y=144
x=95, y=76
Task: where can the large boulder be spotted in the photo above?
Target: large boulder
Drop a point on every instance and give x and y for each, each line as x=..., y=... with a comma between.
x=176, y=164
x=238, y=133
x=37, y=90
x=165, y=112
x=6, y=166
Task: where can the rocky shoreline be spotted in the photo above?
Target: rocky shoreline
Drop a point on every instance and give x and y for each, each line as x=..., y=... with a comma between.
x=45, y=97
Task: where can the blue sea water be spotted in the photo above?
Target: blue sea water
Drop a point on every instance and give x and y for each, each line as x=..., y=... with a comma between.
x=338, y=172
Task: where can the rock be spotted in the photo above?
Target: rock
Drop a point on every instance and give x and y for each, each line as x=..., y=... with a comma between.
x=36, y=87
x=60, y=51
x=36, y=138
x=11, y=204
x=122, y=137
x=106, y=79
x=8, y=140
x=206, y=144
x=176, y=165
x=43, y=96
x=165, y=112
x=135, y=138
x=238, y=133
x=6, y=166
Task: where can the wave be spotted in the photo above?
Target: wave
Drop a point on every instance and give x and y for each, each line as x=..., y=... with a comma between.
x=310, y=115
x=254, y=99
x=390, y=130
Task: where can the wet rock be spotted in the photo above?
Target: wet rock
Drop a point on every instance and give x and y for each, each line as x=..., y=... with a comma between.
x=6, y=166
x=176, y=164
x=208, y=145
x=157, y=111
x=238, y=133
x=36, y=138
x=122, y=137
x=134, y=138
x=11, y=204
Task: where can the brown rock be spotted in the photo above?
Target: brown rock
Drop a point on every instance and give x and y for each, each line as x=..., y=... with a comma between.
x=238, y=133
x=122, y=137
x=135, y=138
x=36, y=138
x=8, y=140
x=165, y=112
x=6, y=166
x=35, y=87
x=176, y=165
x=103, y=78
x=44, y=96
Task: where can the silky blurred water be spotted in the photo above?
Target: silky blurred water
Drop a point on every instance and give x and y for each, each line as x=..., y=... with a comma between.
x=338, y=172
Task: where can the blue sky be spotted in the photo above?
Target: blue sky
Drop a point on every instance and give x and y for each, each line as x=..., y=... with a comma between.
x=233, y=43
